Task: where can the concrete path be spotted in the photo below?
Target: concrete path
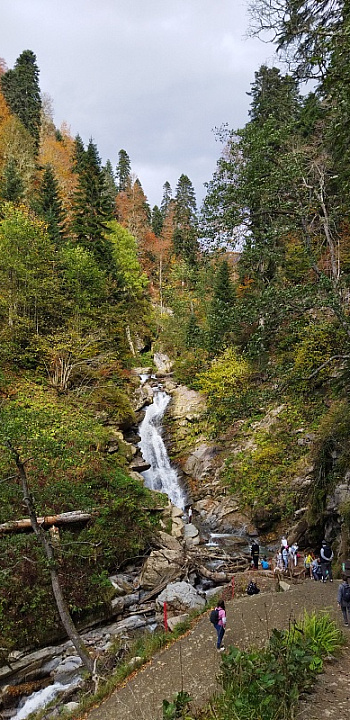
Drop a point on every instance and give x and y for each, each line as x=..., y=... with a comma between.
x=192, y=663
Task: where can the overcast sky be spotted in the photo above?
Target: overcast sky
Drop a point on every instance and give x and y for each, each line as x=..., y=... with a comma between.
x=149, y=76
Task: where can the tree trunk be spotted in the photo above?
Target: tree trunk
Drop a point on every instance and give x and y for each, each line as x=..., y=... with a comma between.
x=13, y=526
x=62, y=607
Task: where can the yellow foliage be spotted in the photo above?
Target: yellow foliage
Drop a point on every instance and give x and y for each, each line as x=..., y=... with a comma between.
x=227, y=373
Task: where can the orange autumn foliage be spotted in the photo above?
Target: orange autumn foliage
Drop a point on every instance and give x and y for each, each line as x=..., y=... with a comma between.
x=59, y=154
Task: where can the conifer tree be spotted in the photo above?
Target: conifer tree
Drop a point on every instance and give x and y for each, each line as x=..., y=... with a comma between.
x=167, y=198
x=157, y=221
x=185, y=231
x=92, y=208
x=111, y=188
x=79, y=154
x=50, y=206
x=123, y=171
x=11, y=185
x=21, y=90
x=220, y=314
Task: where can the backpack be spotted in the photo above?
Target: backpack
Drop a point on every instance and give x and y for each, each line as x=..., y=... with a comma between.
x=327, y=551
x=214, y=616
x=252, y=588
x=346, y=594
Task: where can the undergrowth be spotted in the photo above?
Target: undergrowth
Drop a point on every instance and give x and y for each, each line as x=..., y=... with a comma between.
x=267, y=683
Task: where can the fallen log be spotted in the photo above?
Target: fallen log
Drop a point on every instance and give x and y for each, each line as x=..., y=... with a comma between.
x=13, y=526
x=217, y=577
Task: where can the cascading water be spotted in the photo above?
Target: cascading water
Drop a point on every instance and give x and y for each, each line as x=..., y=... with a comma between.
x=161, y=476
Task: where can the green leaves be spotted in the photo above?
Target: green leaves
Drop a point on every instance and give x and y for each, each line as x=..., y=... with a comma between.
x=267, y=683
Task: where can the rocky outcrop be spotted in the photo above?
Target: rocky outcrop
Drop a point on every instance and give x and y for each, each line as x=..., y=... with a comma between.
x=223, y=515
x=180, y=596
x=163, y=364
x=162, y=565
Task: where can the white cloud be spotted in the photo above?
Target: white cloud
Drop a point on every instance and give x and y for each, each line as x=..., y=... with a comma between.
x=151, y=77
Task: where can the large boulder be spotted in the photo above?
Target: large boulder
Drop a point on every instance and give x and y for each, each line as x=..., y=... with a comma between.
x=160, y=566
x=180, y=596
x=163, y=364
x=191, y=535
x=169, y=542
x=187, y=405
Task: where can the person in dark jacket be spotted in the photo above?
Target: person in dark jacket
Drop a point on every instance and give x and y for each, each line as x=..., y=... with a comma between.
x=344, y=599
x=326, y=555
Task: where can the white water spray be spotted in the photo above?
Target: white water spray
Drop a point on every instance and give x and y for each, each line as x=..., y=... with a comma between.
x=39, y=700
x=161, y=476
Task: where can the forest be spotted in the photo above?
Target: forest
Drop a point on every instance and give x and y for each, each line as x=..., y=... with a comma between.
x=249, y=295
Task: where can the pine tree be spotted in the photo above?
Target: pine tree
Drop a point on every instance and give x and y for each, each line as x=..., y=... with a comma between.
x=157, y=221
x=220, y=314
x=50, y=206
x=166, y=200
x=21, y=90
x=111, y=188
x=185, y=232
x=11, y=186
x=79, y=154
x=92, y=209
x=123, y=171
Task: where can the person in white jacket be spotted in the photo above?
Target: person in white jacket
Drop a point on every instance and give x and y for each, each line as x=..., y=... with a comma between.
x=326, y=555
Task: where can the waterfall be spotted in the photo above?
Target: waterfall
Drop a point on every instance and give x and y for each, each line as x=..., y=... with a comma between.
x=161, y=476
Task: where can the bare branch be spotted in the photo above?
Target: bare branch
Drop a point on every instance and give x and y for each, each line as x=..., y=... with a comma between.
x=327, y=362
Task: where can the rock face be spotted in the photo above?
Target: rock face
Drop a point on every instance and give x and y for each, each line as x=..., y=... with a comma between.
x=187, y=405
x=201, y=462
x=180, y=596
x=224, y=515
x=163, y=364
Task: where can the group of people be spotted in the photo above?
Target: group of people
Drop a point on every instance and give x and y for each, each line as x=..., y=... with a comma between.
x=320, y=567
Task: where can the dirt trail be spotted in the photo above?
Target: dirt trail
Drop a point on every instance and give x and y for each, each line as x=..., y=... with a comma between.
x=193, y=662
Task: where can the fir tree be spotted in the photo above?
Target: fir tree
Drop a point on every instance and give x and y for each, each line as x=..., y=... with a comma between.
x=220, y=314
x=123, y=171
x=11, y=186
x=79, y=154
x=185, y=232
x=166, y=200
x=50, y=206
x=111, y=188
x=92, y=209
x=20, y=87
x=157, y=221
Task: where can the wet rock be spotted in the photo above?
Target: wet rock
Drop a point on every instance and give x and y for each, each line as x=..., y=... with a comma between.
x=340, y=496
x=66, y=669
x=139, y=465
x=142, y=396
